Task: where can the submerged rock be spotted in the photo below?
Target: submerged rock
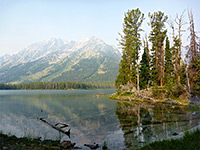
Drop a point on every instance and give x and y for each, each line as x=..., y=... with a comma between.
x=67, y=144
x=91, y=146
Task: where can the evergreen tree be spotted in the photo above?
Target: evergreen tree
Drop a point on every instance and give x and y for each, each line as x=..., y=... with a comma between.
x=176, y=59
x=122, y=78
x=196, y=76
x=144, y=67
x=193, y=59
x=183, y=74
x=130, y=42
x=168, y=62
x=157, y=37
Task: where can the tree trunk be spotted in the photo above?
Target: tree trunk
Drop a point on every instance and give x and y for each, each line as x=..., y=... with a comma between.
x=163, y=64
x=138, y=78
x=179, y=78
x=130, y=68
x=179, y=53
x=188, y=81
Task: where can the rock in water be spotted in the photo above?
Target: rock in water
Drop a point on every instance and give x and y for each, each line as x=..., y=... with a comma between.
x=67, y=144
x=92, y=146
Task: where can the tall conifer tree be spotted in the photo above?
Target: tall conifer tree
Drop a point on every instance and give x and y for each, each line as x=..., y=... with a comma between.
x=130, y=42
x=144, y=67
x=157, y=37
x=169, y=68
x=176, y=57
x=193, y=59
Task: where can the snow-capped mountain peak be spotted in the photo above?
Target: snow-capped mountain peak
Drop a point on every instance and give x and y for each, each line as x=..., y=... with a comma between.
x=51, y=58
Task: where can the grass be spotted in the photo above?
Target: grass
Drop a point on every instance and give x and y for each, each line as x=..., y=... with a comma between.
x=190, y=141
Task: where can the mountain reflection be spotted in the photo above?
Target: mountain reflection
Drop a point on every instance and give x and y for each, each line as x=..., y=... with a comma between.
x=90, y=118
x=144, y=123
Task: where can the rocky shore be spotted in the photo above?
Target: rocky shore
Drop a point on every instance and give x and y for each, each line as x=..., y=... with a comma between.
x=14, y=143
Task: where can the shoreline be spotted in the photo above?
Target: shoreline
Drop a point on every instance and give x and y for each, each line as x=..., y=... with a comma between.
x=133, y=98
x=13, y=142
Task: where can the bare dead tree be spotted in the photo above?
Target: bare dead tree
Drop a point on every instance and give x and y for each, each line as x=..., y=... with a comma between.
x=193, y=46
x=179, y=20
x=171, y=24
x=192, y=52
x=187, y=75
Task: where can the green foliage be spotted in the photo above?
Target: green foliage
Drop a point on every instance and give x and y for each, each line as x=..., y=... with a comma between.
x=194, y=70
x=159, y=92
x=169, y=68
x=176, y=57
x=170, y=83
x=12, y=142
x=157, y=37
x=164, y=66
x=122, y=78
x=183, y=78
x=52, y=85
x=175, y=90
x=130, y=42
x=189, y=141
x=144, y=67
x=104, y=147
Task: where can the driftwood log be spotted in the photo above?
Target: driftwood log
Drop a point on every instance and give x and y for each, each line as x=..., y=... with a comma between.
x=60, y=129
x=62, y=125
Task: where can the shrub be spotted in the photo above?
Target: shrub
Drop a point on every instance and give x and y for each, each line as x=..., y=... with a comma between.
x=177, y=91
x=159, y=92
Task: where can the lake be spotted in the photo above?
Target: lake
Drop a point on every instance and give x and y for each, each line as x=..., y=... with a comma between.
x=91, y=117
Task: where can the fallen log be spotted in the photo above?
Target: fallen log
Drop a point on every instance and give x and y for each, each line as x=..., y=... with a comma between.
x=62, y=125
x=57, y=128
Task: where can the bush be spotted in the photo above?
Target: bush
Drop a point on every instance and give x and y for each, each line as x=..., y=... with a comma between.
x=190, y=141
x=177, y=91
x=159, y=92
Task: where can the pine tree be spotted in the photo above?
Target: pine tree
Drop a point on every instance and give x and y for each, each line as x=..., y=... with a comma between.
x=193, y=59
x=169, y=68
x=130, y=42
x=182, y=73
x=122, y=78
x=144, y=67
x=157, y=37
x=176, y=58
x=196, y=76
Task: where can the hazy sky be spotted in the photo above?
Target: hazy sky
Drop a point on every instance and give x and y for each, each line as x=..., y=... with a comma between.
x=23, y=22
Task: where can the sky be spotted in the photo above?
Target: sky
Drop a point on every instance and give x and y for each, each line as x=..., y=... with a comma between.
x=24, y=22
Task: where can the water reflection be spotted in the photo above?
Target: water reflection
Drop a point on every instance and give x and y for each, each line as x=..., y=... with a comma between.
x=144, y=123
x=91, y=118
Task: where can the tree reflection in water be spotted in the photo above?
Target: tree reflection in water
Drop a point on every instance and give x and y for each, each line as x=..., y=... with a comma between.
x=144, y=123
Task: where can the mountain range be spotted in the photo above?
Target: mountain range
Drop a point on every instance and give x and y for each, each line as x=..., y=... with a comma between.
x=89, y=60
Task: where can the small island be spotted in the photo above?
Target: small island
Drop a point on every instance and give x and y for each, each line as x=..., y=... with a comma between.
x=162, y=76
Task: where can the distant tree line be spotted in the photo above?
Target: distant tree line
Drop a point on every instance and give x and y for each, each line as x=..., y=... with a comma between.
x=52, y=86
x=162, y=63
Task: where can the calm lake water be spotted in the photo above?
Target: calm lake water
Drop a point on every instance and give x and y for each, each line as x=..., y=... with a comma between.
x=91, y=118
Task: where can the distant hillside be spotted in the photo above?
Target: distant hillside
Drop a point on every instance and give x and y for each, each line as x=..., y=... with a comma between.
x=90, y=60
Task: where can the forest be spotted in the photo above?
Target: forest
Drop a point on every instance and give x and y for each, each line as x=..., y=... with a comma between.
x=51, y=86
x=162, y=64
